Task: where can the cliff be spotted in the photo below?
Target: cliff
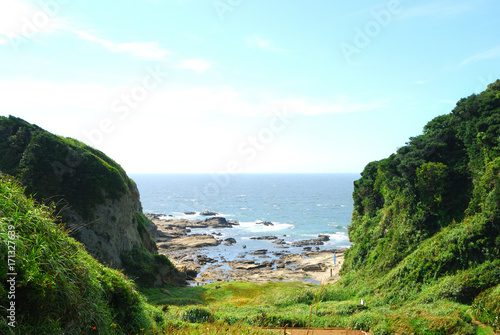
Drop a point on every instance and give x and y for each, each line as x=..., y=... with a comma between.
x=94, y=197
x=426, y=220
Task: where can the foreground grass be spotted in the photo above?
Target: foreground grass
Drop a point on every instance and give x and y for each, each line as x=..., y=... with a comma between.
x=59, y=288
x=221, y=308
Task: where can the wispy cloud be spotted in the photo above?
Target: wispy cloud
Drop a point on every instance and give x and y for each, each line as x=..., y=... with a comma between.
x=489, y=54
x=144, y=50
x=258, y=42
x=18, y=18
x=198, y=65
x=340, y=105
x=443, y=8
x=194, y=100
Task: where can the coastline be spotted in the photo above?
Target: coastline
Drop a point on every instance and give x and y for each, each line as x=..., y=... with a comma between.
x=194, y=254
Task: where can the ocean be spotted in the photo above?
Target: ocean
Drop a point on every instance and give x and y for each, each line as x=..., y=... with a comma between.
x=300, y=206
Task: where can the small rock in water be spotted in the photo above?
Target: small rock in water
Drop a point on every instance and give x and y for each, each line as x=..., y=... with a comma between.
x=265, y=223
x=208, y=213
x=203, y=259
x=264, y=238
x=229, y=241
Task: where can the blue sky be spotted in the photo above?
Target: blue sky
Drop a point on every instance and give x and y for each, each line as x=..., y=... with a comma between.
x=169, y=86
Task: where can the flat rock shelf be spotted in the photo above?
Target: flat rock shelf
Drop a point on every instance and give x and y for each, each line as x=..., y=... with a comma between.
x=190, y=253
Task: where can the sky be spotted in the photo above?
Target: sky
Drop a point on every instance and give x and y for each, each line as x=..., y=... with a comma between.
x=240, y=86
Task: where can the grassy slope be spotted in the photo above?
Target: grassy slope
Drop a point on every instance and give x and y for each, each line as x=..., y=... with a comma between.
x=59, y=287
x=51, y=166
x=426, y=224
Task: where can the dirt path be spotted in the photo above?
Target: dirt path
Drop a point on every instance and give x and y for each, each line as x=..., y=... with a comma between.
x=318, y=331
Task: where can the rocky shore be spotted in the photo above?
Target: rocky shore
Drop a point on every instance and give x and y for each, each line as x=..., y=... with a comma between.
x=188, y=251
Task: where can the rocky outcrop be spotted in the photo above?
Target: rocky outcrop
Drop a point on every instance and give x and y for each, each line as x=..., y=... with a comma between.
x=112, y=228
x=315, y=241
x=190, y=242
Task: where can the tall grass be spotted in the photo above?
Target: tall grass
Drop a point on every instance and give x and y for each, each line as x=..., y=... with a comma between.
x=60, y=288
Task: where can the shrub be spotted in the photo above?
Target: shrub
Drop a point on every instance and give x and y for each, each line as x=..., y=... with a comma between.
x=197, y=314
x=486, y=307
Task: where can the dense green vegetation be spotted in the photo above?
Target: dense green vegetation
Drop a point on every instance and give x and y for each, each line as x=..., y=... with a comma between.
x=58, y=169
x=59, y=287
x=426, y=221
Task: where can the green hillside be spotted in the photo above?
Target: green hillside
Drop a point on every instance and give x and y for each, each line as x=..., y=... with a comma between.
x=59, y=169
x=426, y=220
x=98, y=203
x=59, y=288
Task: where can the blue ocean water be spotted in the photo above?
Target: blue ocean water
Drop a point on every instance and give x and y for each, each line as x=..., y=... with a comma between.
x=300, y=206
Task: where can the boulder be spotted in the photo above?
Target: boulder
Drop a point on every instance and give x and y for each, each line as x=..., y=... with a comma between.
x=217, y=223
x=208, y=213
x=229, y=241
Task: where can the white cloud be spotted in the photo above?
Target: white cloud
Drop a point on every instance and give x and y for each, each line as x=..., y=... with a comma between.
x=198, y=65
x=489, y=54
x=69, y=97
x=339, y=105
x=258, y=42
x=23, y=20
x=144, y=50
x=20, y=19
x=439, y=9
x=90, y=101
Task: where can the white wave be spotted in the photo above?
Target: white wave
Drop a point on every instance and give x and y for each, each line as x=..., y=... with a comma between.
x=337, y=237
x=225, y=215
x=255, y=228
